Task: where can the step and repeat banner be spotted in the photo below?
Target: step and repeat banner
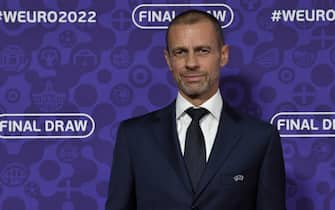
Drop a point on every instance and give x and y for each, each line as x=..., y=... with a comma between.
x=70, y=71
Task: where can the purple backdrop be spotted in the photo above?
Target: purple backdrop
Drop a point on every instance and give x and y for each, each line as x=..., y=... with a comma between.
x=113, y=70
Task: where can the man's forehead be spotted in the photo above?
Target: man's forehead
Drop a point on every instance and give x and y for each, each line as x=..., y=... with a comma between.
x=200, y=23
x=197, y=29
x=191, y=32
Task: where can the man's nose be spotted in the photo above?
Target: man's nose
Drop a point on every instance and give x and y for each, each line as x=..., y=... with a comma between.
x=192, y=61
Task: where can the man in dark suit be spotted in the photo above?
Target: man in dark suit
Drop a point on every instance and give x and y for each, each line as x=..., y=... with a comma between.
x=196, y=153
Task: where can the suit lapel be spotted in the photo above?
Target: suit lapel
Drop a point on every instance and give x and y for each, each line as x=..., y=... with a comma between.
x=228, y=135
x=166, y=135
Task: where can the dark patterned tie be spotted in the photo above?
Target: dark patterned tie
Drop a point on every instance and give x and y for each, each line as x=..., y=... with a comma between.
x=195, y=150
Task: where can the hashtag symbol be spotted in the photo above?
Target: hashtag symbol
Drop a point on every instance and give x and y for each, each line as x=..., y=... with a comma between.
x=276, y=15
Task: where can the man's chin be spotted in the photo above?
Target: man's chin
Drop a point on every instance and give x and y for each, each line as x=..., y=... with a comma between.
x=194, y=96
x=191, y=93
x=194, y=90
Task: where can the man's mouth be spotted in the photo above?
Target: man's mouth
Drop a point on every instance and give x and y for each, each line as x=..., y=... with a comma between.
x=193, y=77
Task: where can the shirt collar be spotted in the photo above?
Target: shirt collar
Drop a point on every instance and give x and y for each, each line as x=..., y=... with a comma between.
x=213, y=105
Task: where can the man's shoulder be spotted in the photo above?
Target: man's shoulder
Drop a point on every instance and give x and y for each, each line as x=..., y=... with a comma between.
x=249, y=127
x=148, y=118
x=249, y=122
x=256, y=122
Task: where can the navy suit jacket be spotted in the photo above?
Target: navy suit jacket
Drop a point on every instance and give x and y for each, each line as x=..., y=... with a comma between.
x=245, y=170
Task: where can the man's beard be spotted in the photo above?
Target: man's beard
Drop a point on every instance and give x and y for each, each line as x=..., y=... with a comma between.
x=195, y=92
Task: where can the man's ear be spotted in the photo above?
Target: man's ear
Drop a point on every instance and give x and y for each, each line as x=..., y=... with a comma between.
x=224, y=55
x=167, y=58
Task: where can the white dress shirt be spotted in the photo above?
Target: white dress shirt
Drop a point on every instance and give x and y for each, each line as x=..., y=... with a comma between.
x=209, y=123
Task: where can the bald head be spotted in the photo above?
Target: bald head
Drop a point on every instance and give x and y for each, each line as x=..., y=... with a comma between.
x=190, y=17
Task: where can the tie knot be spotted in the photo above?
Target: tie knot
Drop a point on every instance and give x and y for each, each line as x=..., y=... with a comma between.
x=196, y=114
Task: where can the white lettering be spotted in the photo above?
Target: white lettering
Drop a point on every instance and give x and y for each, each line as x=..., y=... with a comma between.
x=3, y=124
x=10, y=16
x=143, y=15
x=281, y=123
x=42, y=17
x=21, y=16
x=35, y=128
x=19, y=126
x=320, y=14
x=69, y=126
x=15, y=126
x=52, y=16
x=330, y=15
x=327, y=124
x=310, y=15
x=218, y=14
x=297, y=124
x=156, y=16
x=49, y=125
x=80, y=125
x=31, y=17
x=300, y=15
x=32, y=123
x=288, y=15
x=59, y=125
x=169, y=16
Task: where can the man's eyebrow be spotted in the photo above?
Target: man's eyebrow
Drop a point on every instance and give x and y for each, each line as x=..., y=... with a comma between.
x=202, y=47
x=179, y=48
x=194, y=48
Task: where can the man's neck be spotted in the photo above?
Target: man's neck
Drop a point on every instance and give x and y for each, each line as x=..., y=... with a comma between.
x=197, y=101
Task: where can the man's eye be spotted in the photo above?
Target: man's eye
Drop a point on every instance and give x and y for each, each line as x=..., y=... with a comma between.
x=179, y=53
x=203, y=51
